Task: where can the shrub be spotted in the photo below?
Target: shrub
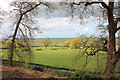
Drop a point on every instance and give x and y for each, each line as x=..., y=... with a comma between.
x=75, y=43
x=38, y=68
x=54, y=49
x=38, y=49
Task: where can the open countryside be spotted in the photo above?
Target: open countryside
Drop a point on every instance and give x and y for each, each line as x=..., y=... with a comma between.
x=60, y=39
x=61, y=55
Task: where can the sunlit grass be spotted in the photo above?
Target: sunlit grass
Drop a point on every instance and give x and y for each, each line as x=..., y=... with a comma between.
x=67, y=58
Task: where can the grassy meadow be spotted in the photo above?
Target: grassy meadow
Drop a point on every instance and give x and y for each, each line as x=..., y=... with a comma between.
x=66, y=57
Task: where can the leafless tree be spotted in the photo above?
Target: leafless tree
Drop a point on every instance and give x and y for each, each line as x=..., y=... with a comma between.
x=23, y=28
x=109, y=10
x=105, y=12
x=91, y=46
x=46, y=42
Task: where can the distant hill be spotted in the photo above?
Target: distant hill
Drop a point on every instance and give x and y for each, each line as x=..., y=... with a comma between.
x=54, y=38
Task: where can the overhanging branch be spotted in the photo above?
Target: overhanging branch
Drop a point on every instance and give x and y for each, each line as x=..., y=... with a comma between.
x=94, y=2
x=31, y=9
x=102, y=3
x=35, y=7
x=117, y=29
x=77, y=3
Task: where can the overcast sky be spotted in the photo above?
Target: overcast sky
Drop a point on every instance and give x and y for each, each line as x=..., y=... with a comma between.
x=54, y=25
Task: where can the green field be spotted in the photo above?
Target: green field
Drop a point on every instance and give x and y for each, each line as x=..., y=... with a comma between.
x=67, y=58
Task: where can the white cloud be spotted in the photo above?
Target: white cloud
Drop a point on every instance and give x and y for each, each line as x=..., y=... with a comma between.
x=4, y=5
x=86, y=29
x=57, y=24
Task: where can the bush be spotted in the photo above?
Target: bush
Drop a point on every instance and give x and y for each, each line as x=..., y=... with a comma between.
x=54, y=49
x=77, y=75
x=86, y=76
x=38, y=49
x=38, y=68
x=75, y=43
x=4, y=48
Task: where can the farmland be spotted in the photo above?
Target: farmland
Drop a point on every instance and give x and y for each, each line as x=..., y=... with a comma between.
x=66, y=57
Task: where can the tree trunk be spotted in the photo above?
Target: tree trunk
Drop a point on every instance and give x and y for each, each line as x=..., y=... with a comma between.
x=10, y=56
x=119, y=25
x=112, y=57
x=46, y=47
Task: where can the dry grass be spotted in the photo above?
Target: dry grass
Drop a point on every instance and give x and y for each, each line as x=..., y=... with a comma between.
x=17, y=72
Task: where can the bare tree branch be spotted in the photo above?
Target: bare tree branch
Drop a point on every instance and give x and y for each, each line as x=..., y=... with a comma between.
x=30, y=9
x=102, y=3
x=77, y=3
x=86, y=61
x=118, y=29
x=23, y=27
x=35, y=7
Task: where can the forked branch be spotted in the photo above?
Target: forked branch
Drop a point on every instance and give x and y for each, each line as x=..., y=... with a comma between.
x=102, y=3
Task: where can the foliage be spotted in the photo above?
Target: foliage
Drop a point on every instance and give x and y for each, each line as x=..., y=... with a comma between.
x=75, y=43
x=23, y=27
x=66, y=43
x=22, y=50
x=46, y=42
x=7, y=43
x=112, y=14
x=64, y=57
